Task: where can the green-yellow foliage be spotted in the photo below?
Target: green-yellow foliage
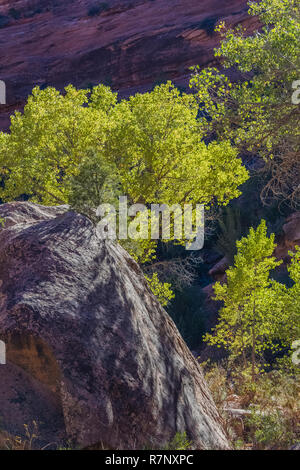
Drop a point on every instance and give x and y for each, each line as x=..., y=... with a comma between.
x=153, y=139
x=257, y=111
x=292, y=296
x=162, y=290
x=258, y=312
x=84, y=147
x=49, y=140
x=157, y=144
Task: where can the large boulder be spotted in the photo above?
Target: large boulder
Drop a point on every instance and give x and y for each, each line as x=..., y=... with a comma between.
x=91, y=354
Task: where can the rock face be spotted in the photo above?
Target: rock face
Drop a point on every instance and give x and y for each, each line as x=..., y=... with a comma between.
x=290, y=237
x=128, y=44
x=91, y=354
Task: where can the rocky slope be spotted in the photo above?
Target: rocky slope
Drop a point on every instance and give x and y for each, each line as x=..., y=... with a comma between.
x=91, y=354
x=128, y=44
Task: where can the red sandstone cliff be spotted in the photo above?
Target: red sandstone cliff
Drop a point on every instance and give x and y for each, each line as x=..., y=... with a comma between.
x=130, y=45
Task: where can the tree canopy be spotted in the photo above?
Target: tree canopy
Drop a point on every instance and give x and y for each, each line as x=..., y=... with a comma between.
x=256, y=111
x=258, y=313
x=153, y=140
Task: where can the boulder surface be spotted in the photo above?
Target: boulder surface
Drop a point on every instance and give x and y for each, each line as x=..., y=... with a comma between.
x=91, y=354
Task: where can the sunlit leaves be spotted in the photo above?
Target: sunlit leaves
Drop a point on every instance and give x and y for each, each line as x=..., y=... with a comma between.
x=257, y=111
x=258, y=313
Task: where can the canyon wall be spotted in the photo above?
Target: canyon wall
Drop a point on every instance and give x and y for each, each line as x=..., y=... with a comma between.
x=129, y=45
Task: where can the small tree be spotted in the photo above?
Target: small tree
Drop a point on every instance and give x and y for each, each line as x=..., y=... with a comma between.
x=292, y=297
x=253, y=311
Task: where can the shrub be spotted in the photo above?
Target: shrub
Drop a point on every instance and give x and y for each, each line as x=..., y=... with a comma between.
x=230, y=232
x=273, y=403
x=269, y=430
x=179, y=442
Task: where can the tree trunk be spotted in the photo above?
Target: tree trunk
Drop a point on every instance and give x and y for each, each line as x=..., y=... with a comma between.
x=253, y=344
x=253, y=354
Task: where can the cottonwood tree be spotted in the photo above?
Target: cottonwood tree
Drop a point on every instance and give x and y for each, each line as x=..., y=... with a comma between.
x=63, y=144
x=257, y=111
x=83, y=147
x=258, y=313
x=157, y=144
x=50, y=139
x=292, y=298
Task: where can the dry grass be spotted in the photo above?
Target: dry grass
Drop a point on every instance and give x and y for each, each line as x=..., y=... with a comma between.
x=260, y=415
